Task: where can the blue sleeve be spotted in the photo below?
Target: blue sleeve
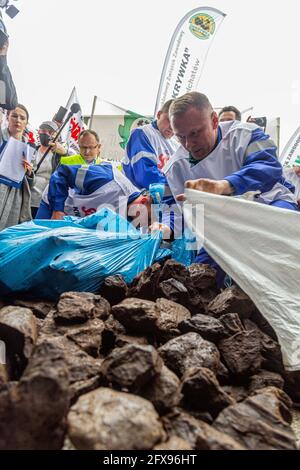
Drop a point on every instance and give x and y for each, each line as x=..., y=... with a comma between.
x=141, y=165
x=60, y=182
x=261, y=169
x=172, y=215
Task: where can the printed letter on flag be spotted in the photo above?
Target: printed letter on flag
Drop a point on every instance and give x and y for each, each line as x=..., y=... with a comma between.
x=291, y=153
x=187, y=53
x=76, y=125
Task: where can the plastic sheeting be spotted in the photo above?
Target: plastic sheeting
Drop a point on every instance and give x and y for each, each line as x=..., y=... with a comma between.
x=51, y=257
x=259, y=247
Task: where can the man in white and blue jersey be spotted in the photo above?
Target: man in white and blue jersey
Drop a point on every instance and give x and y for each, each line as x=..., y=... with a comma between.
x=149, y=149
x=228, y=158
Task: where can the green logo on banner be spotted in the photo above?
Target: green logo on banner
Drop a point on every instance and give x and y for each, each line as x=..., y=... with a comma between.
x=131, y=122
x=202, y=26
x=297, y=161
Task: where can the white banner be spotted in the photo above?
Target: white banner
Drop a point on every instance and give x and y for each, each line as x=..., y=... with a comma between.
x=76, y=125
x=187, y=53
x=259, y=247
x=290, y=155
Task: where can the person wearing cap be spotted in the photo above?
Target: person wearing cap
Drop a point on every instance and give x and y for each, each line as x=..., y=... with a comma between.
x=47, y=131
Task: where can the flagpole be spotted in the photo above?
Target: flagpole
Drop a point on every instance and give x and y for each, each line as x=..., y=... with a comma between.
x=93, y=112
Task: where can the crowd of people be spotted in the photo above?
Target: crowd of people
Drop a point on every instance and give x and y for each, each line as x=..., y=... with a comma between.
x=187, y=145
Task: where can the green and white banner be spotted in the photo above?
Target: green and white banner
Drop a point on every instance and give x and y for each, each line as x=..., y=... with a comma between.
x=187, y=53
x=114, y=125
x=290, y=155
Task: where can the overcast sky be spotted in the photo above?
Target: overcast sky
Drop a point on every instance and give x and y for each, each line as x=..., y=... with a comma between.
x=116, y=50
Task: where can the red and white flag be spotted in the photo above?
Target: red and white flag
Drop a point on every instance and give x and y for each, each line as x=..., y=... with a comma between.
x=76, y=125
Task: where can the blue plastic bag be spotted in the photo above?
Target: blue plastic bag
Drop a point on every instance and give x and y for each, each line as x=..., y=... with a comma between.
x=47, y=258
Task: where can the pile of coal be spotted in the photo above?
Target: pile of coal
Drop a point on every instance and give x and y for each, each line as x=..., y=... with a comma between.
x=167, y=363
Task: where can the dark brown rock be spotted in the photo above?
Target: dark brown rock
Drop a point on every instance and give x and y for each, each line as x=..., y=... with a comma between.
x=112, y=324
x=39, y=308
x=209, y=328
x=79, y=307
x=232, y=300
x=188, y=351
x=181, y=424
x=173, y=271
x=265, y=378
x=4, y=376
x=260, y=422
x=199, y=415
x=87, y=336
x=174, y=443
x=270, y=349
x=209, y=438
x=242, y=353
x=223, y=374
x=112, y=329
x=172, y=281
x=114, y=289
x=127, y=340
x=263, y=325
x=131, y=367
x=175, y=291
x=232, y=324
x=279, y=402
x=203, y=392
x=200, y=435
x=137, y=315
x=110, y=420
x=291, y=386
x=171, y=314
x=84, y=370
x=203, y=276
x=18, y=331
x=145, y=285
x=33, y=411
x=163, y=390
x=207, y=296
x=237, y=392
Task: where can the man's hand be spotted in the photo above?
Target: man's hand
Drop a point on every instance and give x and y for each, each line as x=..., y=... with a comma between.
x=167, y=232
x=57, y=215
x=58, y=148
x=4, y=49
x=208, y=186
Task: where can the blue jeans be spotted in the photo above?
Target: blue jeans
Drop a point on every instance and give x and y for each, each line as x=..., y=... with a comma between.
x=44, y=212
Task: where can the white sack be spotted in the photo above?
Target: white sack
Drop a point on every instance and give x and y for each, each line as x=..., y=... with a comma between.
x=259, y=247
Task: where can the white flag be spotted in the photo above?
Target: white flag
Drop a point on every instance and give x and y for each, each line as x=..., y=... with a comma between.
x=290, y=159
x=187, y=53
x=76, y=125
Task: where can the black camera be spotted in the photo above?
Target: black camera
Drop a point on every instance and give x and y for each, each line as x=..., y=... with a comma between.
x=11, y=11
